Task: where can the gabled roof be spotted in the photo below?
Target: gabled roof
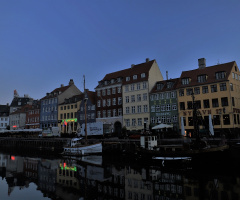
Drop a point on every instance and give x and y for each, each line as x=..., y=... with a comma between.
x=56, y=92
x=134, y=70
x=92, y=96
x=209, y=71
x=4, y=110
x=73, y=99
x=164, y=83
x=23, y=100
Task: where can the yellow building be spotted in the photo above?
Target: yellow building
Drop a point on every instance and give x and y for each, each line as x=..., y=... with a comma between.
x=137, y=84
x=67, y=114
x=216, y=91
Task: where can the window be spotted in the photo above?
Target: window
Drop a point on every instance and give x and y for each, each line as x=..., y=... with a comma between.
x=161, y=95
x=204, y=89
x=139, y=121
x=103, y=92
x=215, y=103
x=216, y=119
x=108, y=91
x=98, y=93
x=236, y=76
x=173, y=95
x=143, y=75
x=233, y=102
x=220, y=75
x=104, y=103
x=104, y=113
x=138, y=86
x=152, y=120
x=189, y=91
x=231, y=86
x=156, y=97
x=133, y=122
x=127, y=99
x=174, y=106
x=213, y=88
x=114, y=113
x=189, y=105
x=133, y=109
x=185, y=81
x=119, y=89
x=134, y=77
x=157, y=108
x=181, y=92
x=168, y=107
x=145, y=108
x=182, y=105
x=190, y=121
x=174, y=118
x=168, y=94
x=169, y=84
x=145, y=97
x=132, y=98
x=224, y=101
x=138, y=97
x=126, y=88
x=223, y=87
x=114, y=101
x=132, y=87
x=99, y=103
x=226, y=119
x=233, y=75
x=144, y=85
x=198, y=104
x=162, y=107
x=119, y=112
x=109, y=113
x=139, y=109
x=119, y=100
x=127, y=78
x=197, y=90
x=202, y=78
x=160, y=86
x=206, y=103
x=153, y=108
x=114, y=90
x=127, y=122
x=109, y=102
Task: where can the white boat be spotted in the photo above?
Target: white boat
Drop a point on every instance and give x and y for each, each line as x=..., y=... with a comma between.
x=77, y=149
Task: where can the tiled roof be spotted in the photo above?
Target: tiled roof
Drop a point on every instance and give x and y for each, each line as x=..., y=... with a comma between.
x=74, y=99
x=92, y=96
x=4, y=110
x=23, y=100
x=164, y=88
x=134, y=70
x=209, y=71
x=56, y=92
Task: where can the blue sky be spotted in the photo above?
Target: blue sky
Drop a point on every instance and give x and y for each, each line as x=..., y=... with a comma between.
x=44, y=44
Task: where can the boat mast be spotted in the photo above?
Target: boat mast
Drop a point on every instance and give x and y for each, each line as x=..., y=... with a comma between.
x=85, y=104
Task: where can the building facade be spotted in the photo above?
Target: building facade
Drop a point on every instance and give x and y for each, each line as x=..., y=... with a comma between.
x=4, y=116
x=164, y=104
x=33, y=115
x=67, y=114
x=216, y=94
x=49, y=104
x=137, y=83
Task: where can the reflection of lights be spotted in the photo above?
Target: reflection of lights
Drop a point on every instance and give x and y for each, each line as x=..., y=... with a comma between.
x=12, y=157
x=65, y=167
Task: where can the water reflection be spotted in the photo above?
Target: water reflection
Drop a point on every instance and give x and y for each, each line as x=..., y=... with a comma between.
x=94, y=178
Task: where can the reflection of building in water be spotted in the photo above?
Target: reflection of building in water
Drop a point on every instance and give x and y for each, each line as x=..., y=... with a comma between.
x=47, y=173
x=3, y=164
x=31, y=168
x=113, y=186
x=137, y=186
x=168, y=185
x=218, y=187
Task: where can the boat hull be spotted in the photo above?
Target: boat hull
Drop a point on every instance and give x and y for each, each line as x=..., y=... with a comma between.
x=83, y=150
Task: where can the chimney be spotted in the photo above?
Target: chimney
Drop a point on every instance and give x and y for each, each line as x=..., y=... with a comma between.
x=201, y=63
x=147, y=60
x=62, y=85
x=132, y=65
x=167, y=75
x=71, y=82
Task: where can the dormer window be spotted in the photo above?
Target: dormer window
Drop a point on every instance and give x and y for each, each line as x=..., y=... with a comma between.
x=143, y=75
x=159, y=86
x=185, y=81
x=119, y=79
x=105, y=82
x=127, y=78
x=134, y=77
x=202, y=78
x=220, y=75
x=169, y=85
x=112, y=81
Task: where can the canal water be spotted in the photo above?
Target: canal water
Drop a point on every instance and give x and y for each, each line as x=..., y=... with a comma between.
x=96, y=177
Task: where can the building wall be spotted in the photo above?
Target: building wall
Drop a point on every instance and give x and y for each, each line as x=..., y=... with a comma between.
x=4, y=122
x=225, y=113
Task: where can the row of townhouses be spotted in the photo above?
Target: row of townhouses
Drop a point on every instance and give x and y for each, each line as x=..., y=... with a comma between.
x=136, y=98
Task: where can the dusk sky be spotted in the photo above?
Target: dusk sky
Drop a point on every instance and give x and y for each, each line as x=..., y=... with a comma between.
x=45, y=43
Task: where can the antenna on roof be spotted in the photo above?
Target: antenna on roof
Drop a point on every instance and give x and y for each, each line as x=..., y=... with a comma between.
x=167, y=75
x=218, y=62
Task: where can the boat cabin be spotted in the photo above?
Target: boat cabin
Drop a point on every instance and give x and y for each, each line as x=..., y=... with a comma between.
x=75, y=142
x=148, y=142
